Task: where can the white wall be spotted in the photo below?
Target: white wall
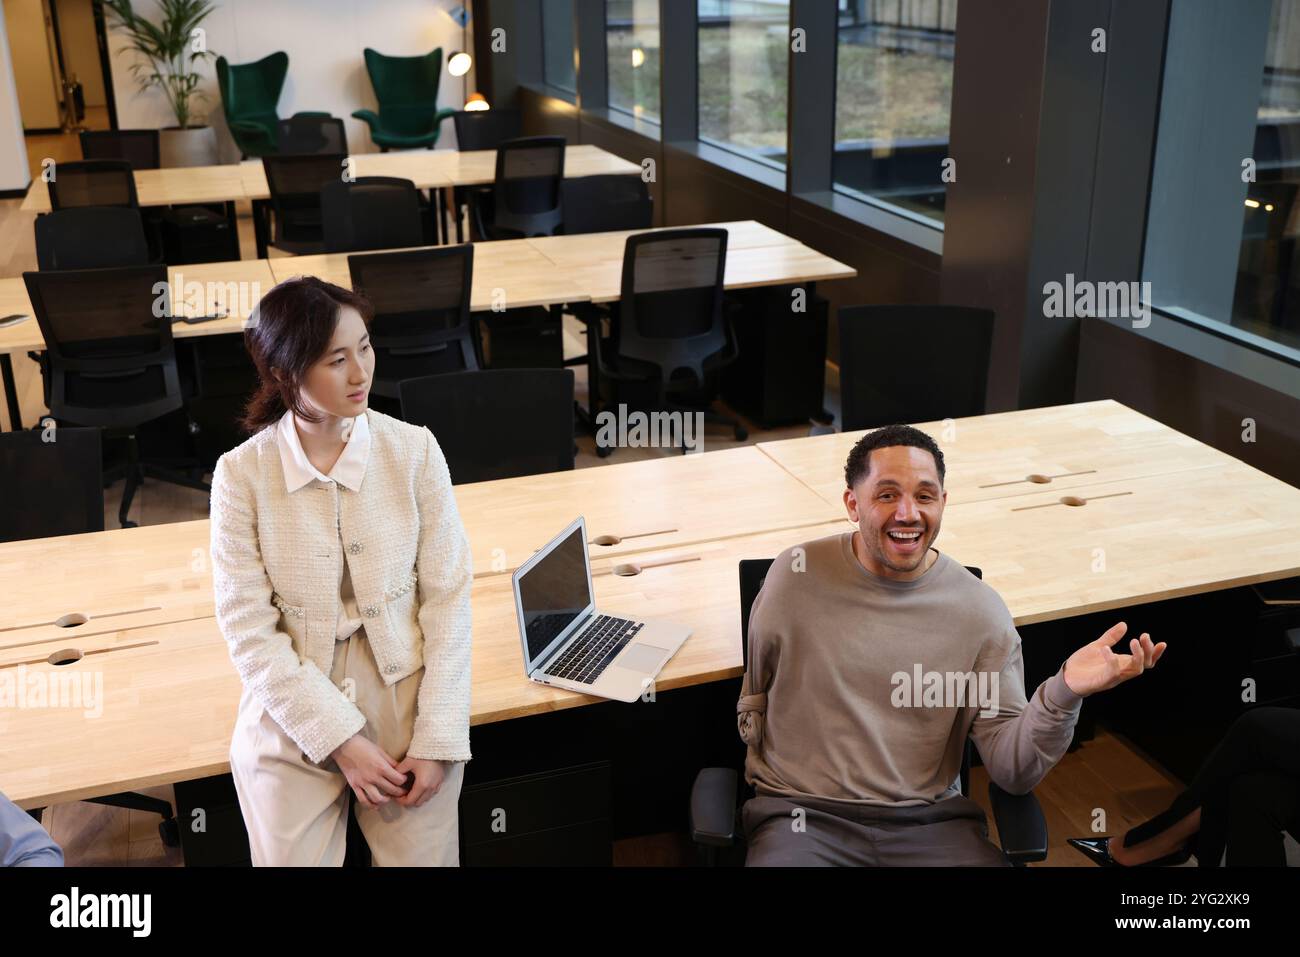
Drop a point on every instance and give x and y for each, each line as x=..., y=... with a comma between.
x=33, y=64
x=13, y=151
x=324, y=40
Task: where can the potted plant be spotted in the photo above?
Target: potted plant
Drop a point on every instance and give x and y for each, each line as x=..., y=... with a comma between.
x=171, y=49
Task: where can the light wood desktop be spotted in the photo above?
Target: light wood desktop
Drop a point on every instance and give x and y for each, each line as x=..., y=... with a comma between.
x=508, y=274
x=428, y=169
x=163, y=187
x=1016, y=453
x=170, y=692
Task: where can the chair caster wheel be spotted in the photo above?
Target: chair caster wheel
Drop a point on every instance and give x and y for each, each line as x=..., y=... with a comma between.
x=170, y=832
x=741, y=433
x=604, y=451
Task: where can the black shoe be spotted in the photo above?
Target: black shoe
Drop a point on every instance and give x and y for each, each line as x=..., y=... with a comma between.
x=1097, y=850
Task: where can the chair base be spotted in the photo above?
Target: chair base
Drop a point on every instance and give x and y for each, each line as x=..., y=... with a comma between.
x=135, y=472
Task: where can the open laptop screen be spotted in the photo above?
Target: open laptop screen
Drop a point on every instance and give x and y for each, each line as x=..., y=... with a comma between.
x=554, y=591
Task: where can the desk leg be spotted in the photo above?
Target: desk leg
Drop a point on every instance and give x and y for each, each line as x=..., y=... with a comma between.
x=460, y=220
x=232, y=217
x=11, y=391
x=259, y=227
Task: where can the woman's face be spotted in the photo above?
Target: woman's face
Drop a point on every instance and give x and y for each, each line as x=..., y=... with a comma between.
x=339, y=381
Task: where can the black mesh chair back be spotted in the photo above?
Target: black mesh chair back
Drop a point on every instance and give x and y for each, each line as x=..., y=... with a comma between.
x=93, y=183
x=670, y=311
x=601, y=204
x=373, y=212
x=421, y=300
x=945, y=379
x=140, y=148
x=54, y=483
x=496, y=423
x=92, y=237
x=312, y=133
x=527, y=187
x=108, y=340
x=295, y=183
x=486, y=129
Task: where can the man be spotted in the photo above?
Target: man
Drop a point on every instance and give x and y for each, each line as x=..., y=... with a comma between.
x=23, y=842
x=872, y=658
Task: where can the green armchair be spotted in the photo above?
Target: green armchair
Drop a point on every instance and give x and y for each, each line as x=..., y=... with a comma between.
x=407, y=90
x=250, y=93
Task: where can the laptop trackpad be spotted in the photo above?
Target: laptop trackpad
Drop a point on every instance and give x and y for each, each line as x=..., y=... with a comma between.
x=641, y=657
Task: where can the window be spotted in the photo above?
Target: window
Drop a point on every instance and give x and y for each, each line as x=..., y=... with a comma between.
x=1222, y=225
x=744, y=48
x=557, y=45
x=893, y=95
x=632, y=56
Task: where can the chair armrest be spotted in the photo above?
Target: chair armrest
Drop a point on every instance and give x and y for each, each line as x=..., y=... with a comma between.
x=369, y=117
x=713, y=807
x=1021, y=825
x=442, y=115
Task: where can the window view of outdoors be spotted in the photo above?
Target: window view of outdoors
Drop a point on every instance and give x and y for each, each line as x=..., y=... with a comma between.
x=893, y=95
x=1221, y=251
x=632, y=46
x=744, y=47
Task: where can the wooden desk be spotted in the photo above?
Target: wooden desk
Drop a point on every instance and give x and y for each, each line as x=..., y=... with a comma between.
x=507, y=273
x=790, y=263
x=1157, y=537
x=992, y=456
x=651, y=504
x=197, y=289
x=440, y=169
x=583, y=249
x=116, y=579
x=163, y=187
x=170, y=693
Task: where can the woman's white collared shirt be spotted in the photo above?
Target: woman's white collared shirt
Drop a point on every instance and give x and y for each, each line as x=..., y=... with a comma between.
x=348, y=471
x=278, y=559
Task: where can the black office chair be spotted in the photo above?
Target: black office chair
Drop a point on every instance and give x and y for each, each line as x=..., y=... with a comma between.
x=421, y=300
x=526, y=191
x=110, y=360
x=486, y=129
x=601, y=204
x=140, y=148
x=93, y=183
x=945, y=379
x=670, y=332
x=372, y=212
x=312, y=133
x=716, y=796
x=176, y=234
x=54, y=483
x=496, y=423
x=295, y=183
x=91, y=237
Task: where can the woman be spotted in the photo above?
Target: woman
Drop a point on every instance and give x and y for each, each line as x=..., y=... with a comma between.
x=1244, y=797
x=342, y=577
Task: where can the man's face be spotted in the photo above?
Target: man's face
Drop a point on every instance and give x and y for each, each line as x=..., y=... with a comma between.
x=898, y=507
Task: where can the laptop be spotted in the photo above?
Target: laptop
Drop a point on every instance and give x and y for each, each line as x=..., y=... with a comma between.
x=569, y=642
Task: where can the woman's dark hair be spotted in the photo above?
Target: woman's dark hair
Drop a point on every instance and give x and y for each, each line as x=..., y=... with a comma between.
x=289, y=330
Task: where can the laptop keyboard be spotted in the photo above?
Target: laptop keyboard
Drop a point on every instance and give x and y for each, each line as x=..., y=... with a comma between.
x=593, y=650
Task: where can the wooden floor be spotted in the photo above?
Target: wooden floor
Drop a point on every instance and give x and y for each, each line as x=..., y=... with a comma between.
x=1105, y=773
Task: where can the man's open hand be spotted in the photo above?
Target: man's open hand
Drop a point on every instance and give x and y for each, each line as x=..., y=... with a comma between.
x=1094, y=667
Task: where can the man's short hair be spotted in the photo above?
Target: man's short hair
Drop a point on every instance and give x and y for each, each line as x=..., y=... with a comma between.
x=858, y=466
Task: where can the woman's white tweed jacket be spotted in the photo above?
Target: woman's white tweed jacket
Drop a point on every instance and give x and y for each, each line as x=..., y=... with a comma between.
x=276, y=564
